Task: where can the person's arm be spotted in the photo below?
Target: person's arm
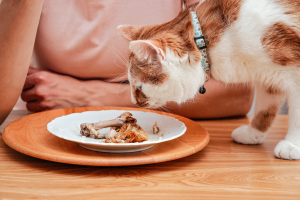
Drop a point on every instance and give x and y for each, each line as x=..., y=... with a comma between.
x=46, y=90
x=219, y=101
x=18, y=25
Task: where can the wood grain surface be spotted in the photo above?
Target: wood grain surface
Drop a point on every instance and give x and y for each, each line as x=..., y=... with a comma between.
x=222, y=170
x=29, y=135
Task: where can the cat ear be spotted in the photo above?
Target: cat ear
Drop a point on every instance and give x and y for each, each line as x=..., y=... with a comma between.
x=184, y=5
x=129, y=32
x=145, y=49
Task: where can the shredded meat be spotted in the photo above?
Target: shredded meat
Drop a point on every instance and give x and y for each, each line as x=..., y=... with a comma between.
x=155, y=128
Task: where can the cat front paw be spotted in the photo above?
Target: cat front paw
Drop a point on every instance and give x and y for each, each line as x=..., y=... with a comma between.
x=248, y=135
x=287, y=150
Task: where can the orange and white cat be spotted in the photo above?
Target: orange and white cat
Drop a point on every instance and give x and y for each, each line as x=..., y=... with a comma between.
x=248, y=41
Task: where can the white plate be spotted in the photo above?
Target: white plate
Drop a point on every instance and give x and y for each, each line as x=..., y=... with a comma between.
x=68, y=128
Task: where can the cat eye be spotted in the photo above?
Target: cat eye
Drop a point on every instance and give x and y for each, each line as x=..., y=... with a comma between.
x=140, y=87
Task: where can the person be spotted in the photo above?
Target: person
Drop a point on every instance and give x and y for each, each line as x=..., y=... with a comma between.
x=82, y=59
x=18, y=25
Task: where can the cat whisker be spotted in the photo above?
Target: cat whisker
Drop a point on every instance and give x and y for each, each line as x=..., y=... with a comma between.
x=114, y=50
x=124, y=62
x=117, y=73
x=168, y=111
x=124, y=88
x=168, y=107
x=164, y=110
x=121, y=83
x=119, y=65
x=160, y=109
x=167, y=100
x=112, y=80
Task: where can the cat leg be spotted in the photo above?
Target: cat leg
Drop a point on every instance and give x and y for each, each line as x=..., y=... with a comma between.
x=289, y=148
x=267, y=105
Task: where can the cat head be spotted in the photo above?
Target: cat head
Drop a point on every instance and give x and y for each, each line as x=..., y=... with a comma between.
x=164, y=62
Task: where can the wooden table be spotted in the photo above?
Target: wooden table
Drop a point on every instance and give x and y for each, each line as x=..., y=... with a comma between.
x=223, y=170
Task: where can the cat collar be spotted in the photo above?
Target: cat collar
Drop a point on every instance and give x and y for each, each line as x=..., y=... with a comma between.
x=201, y=45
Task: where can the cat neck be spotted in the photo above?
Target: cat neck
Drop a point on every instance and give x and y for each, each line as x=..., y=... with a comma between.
x=201, y=45
x=215, y=17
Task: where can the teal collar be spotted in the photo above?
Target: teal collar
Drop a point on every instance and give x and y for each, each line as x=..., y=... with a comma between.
x=201, y=44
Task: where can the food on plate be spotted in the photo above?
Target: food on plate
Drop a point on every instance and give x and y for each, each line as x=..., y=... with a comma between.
x=124, y=129
x=92, y=129
x=89, y=130
x=129, y=132
x=155, y=128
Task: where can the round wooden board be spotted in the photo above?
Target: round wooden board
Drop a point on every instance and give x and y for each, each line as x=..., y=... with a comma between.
x=29, y=135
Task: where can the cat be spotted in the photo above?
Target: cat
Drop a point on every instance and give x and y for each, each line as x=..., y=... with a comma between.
x=248, y=41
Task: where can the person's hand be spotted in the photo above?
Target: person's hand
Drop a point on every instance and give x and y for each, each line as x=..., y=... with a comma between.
x=45, y=90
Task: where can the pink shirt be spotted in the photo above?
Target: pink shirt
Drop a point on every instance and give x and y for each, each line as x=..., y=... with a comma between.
x=79, y=37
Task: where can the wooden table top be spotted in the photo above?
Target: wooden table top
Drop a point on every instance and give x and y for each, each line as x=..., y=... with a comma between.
x=222, y=170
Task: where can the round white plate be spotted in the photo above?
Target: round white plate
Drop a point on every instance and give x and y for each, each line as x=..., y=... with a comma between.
x=68, y=128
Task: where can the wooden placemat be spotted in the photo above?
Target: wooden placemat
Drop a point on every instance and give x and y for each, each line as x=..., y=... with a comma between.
x=29, y=135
